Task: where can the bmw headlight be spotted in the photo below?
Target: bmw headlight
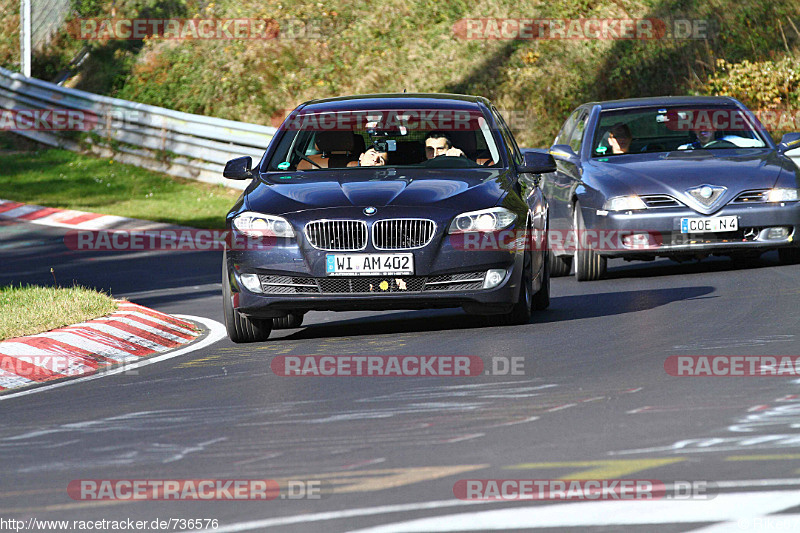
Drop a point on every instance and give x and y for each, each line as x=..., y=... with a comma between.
x=781, y=195
x=624, y=203
x=493, y=219
x=259, y=225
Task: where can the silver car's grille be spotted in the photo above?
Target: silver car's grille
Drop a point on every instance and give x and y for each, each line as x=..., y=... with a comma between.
x=660, y=200
x=336, y=235
x=751, y=197
x=402, y=233
x=706, y=195
x=466, y=281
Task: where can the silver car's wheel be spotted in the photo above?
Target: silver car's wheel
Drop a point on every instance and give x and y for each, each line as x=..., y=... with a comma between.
x=560, y=265
x=589, y=265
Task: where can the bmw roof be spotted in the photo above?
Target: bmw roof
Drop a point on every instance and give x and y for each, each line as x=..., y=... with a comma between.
x=395, y=101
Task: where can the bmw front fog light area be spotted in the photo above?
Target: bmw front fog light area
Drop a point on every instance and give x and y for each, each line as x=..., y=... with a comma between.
x=494, y=277
x=493, y=219
x=251, y=282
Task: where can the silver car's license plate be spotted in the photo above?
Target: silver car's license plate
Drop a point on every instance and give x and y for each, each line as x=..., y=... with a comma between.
x=369, y=264
x=709, y=224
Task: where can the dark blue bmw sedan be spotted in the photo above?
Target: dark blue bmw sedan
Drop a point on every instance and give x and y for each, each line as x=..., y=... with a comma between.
x=393, y=201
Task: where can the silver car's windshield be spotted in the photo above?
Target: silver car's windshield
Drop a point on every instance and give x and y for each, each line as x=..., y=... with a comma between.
x=664, y=129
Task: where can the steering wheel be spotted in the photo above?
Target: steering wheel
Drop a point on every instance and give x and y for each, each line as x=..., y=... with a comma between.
x=720, y=143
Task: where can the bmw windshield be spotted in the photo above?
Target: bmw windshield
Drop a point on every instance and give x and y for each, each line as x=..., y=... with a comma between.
x=439, y=138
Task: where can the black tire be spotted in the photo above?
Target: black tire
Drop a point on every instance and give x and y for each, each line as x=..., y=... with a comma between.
x=292, y=320
x=521, y=312
x=560, y=265
x=242, y=329
x=541, y=300
x=589, y=265
x=789, y=256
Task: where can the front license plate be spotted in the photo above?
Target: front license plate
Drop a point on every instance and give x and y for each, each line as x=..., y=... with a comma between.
x=369, y=264
x=709, y=225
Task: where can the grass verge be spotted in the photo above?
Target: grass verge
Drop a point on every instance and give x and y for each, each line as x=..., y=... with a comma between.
x=21, y=308
x=63, y=179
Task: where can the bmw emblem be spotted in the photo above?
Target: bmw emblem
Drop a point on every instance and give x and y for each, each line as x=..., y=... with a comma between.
x=369, y=211
x=706, y=192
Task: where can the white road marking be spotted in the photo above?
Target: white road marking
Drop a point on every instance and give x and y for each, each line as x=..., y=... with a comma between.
x=216, y=331
x=441, y=504
x=723, y=508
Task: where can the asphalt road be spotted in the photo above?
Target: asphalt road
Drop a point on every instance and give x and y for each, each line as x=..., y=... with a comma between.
x=593, y=402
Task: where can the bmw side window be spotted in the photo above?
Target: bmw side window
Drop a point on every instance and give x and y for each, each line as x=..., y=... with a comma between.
x=576, y=138
x=513, y=149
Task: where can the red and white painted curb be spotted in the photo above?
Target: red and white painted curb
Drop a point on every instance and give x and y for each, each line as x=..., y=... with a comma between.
x=128, y=335
x=70, y=218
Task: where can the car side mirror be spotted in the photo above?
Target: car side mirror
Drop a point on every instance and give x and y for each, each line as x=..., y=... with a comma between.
x=790, y=141
x=239, y=168
x=536, y=162
x=563, y=152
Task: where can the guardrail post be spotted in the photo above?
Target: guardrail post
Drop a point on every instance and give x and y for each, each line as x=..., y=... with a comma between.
x=25, y=38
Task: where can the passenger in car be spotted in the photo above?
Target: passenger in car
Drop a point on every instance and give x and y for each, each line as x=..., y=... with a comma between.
x=438, y=143
x=372, y=158
x=619, y=138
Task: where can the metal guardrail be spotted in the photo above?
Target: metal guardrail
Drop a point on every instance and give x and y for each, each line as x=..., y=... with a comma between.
x=180, y=144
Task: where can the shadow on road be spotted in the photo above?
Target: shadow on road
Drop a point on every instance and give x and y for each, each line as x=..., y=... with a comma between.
x=563, y=308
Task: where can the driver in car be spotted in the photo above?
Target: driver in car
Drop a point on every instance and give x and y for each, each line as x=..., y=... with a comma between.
x=438, y=143
x=705, y=136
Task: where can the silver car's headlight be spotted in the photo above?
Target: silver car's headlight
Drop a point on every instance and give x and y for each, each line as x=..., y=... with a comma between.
x=261, y=225
x=624, y=203
x=781, y=195
x=493, y=219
